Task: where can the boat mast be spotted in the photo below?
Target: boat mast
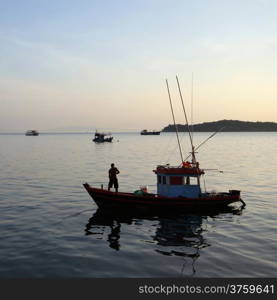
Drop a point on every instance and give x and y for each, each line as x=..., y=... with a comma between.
x=193, y=150
x=187, y=123
x=193, y=160
x=176, y=129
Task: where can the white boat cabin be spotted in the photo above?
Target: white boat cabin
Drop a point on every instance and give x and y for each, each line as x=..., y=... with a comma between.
x=179, y=181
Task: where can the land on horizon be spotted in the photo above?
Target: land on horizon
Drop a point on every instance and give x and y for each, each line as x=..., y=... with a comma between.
x=225, y=125
x=221, y=125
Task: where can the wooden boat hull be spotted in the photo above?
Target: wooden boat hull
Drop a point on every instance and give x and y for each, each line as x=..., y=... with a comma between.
x=150, y=133
x=31, y=133
x=104, y=198
x=109, y=140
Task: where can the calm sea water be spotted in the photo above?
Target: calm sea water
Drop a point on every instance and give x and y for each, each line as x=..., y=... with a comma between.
x=50, y=227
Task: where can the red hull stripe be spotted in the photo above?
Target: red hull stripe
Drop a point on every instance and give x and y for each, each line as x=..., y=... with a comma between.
x=107, y=196
x=179, y=171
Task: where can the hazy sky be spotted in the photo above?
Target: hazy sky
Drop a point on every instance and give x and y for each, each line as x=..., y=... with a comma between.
x=103, y=64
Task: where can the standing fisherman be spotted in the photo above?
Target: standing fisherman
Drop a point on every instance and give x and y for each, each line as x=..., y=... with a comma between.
x=113, y=179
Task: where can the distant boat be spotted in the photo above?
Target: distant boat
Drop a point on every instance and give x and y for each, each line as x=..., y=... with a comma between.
x=31, y=133
x=101, y=137
x=145, y=132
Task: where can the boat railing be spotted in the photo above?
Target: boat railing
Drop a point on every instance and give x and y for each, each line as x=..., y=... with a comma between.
x=188, y=165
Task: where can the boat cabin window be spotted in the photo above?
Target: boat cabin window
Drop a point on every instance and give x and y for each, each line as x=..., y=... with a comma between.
x=191, y=180
x=159, y=179
x=176, y=180
x=162, y=179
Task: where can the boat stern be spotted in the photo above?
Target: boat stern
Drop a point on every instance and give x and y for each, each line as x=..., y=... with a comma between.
x=235, y=193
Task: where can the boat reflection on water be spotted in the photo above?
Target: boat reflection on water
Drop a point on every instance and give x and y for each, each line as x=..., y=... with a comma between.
x=175, y=234
x=102, y=220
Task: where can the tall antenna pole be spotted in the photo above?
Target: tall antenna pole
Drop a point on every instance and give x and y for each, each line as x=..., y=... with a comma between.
x=191, y=105
x=176, y=129
x=190, y=134
x=193, y=150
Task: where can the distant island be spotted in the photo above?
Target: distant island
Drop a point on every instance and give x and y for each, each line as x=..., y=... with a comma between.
x=226, y=125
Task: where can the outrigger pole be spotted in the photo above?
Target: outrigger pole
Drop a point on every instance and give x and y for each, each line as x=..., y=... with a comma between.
x=201, y=144
x=190, y=134
x=176, y=129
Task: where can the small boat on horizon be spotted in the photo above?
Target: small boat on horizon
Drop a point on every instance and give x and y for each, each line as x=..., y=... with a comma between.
x=101, y=137
x=32, y=133
x=146, y=132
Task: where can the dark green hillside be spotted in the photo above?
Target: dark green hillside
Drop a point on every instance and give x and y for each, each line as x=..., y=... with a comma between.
x=228, y=125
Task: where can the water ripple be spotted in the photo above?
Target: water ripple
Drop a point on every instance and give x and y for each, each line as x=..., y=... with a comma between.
x=50, y=227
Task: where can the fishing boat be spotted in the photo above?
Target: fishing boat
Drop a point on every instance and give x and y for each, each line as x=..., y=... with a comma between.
x=146, y=132
x=108, y=199
x=178, y=187
x=31, y=133
x=101, y=137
